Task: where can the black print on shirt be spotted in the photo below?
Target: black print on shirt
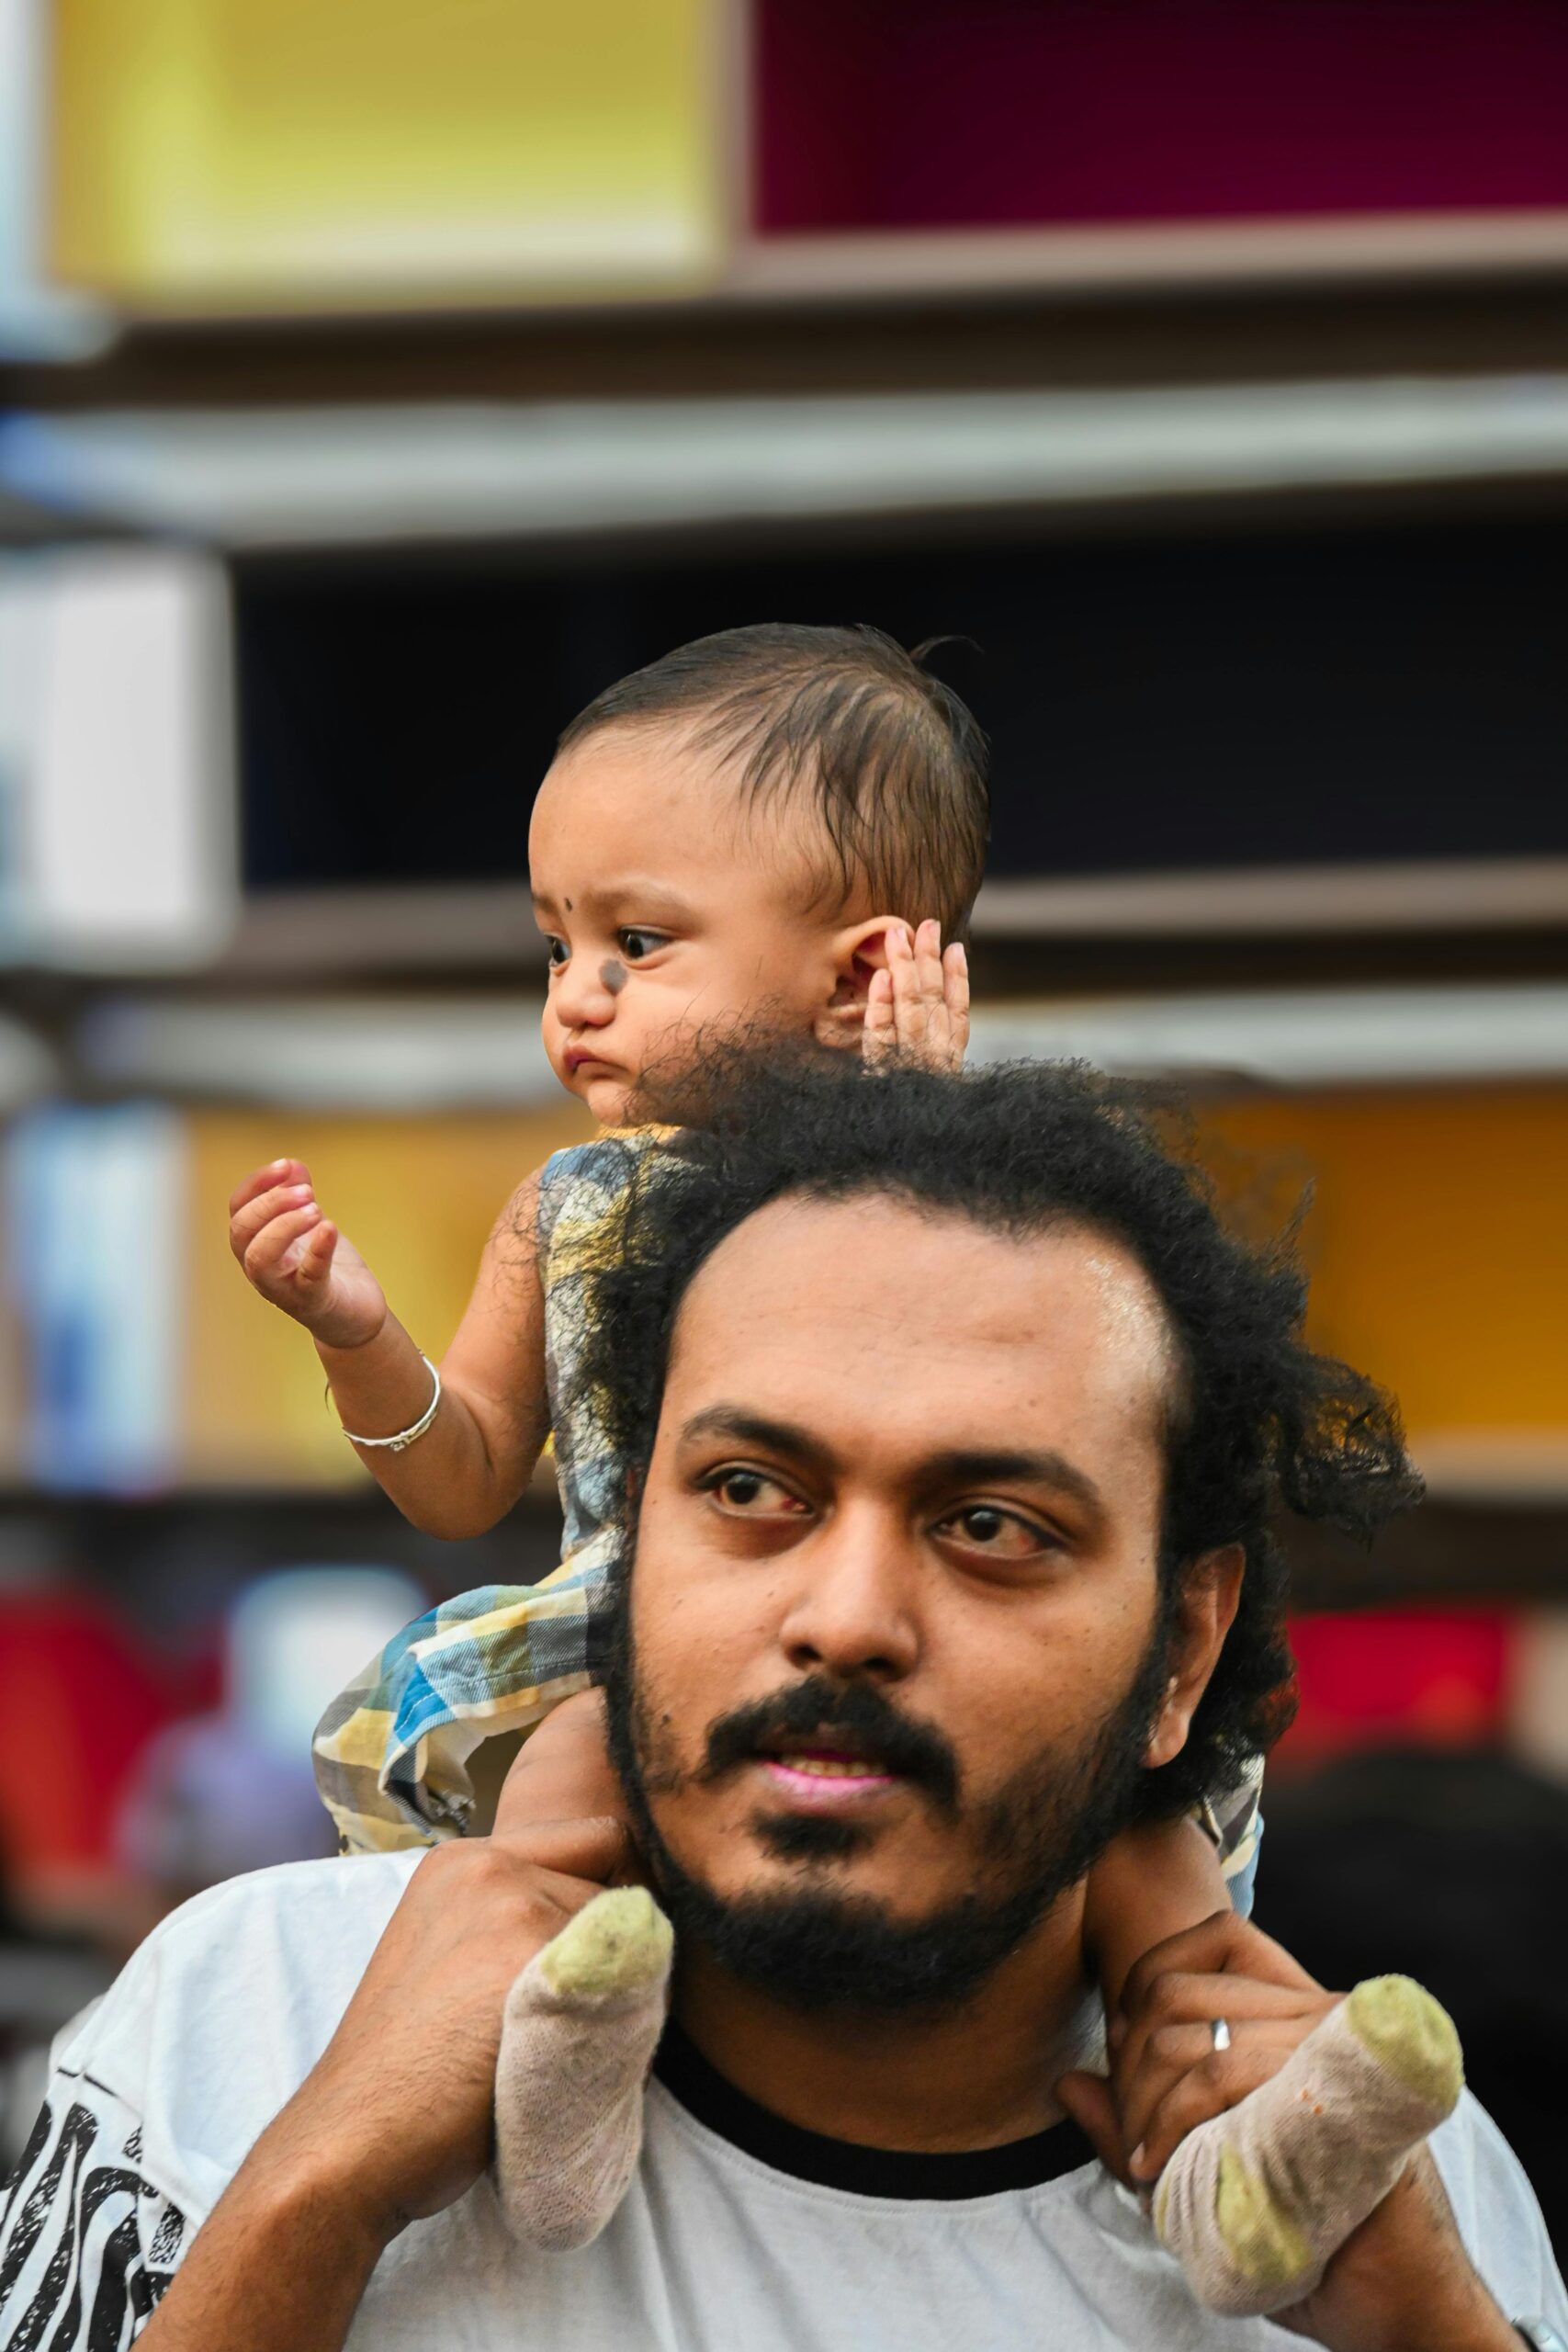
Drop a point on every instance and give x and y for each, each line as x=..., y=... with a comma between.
x=87, y=2245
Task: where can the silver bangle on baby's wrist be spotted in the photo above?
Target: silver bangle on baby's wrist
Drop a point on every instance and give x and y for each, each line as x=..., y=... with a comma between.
x=403, y=1438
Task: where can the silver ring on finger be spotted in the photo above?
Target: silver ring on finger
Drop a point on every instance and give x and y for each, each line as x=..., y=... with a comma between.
x=1221, y=2032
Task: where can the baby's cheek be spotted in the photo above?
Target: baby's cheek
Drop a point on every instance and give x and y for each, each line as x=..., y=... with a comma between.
x=553, y=1036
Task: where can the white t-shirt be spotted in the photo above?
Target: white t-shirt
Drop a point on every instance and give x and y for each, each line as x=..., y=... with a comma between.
x=738, y=2229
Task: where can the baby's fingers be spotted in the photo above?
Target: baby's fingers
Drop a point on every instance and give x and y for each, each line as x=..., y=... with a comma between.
x=956, y=989
x=878, y=1035
x=914, y=966
x=930, y=997
x=273, y=1257
x=268, y=1179
x=245, y=1224
x=928, y=964
x=311, y=1261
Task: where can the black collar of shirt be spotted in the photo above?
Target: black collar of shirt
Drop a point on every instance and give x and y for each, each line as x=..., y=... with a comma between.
x=840, y=2163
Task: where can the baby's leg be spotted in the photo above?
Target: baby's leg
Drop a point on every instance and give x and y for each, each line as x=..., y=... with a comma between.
x=1257, y=2201
x=582, y=2021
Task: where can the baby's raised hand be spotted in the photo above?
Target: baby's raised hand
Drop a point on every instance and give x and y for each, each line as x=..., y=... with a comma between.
x=298, y=1259
x=918, y=1007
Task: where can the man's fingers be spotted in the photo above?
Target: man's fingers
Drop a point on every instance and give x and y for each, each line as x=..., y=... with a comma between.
x=1220, y=1944
x=1172, y=2050
x=564, y=1770
x=1218, y=2082
x=1088, y=2100
x=1183, y=2003
x=590, y=1848
x=1182, y=1996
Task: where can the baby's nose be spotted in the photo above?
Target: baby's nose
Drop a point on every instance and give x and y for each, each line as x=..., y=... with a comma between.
x=583, y=1000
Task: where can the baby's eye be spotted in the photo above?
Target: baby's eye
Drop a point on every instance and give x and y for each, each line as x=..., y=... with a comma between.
x=636, y=944
x=558, y=952
x=1000, y=1534
x=752, y=1494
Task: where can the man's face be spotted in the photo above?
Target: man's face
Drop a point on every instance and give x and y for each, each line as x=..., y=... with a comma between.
x=894, y=1614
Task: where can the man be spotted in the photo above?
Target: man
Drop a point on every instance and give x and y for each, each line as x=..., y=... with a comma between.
x=958, y=1426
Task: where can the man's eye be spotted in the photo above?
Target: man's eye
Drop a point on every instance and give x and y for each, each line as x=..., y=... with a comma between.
x=636, y=944
x=748, y=1492
x=1000, y=1534
x=558, y=952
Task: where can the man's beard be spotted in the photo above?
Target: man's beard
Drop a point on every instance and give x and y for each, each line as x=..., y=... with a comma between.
x=819, y=1948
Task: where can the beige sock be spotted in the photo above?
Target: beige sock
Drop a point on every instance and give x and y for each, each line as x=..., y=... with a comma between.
x=582, y=2022
x=1257, y=2201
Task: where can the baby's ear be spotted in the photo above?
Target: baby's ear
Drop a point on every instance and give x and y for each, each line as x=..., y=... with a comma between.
x=858, y=952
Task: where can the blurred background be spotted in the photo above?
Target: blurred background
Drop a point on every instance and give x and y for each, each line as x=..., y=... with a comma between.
x=377, y=382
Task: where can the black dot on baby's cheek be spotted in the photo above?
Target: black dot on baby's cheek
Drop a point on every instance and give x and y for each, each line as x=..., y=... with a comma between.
x=613, y=976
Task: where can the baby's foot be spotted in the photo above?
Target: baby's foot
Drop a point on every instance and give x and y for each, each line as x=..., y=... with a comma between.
x=1257, y=2201
x=582, y=2021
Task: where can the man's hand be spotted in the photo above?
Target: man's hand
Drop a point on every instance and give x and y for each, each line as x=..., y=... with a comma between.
x=399, y=2109
x=1403, y=2278
x=394, y=2121
x=298, y=1259
x=918, y=1007
x=563, y=1774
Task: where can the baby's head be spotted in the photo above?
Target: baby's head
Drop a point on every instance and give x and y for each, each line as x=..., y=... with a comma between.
x=725, y=838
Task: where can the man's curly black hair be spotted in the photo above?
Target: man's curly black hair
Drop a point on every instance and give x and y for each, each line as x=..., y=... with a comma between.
x=1258, y=1423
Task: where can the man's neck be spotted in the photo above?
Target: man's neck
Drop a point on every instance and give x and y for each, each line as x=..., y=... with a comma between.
x=975, y=2076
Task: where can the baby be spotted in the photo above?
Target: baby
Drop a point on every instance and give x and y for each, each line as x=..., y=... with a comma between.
x=770, y=832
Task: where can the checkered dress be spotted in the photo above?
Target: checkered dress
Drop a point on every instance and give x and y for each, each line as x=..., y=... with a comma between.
x=391, y=1751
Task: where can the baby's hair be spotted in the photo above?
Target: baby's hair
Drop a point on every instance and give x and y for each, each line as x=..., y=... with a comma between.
x=889, y=758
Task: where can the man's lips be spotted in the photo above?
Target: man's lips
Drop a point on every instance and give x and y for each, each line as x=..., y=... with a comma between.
x=820, y=1777
x=820, y=1743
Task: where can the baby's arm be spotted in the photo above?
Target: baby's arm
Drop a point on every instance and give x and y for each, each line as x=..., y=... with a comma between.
x=1151, y=1882
x=472, y=1463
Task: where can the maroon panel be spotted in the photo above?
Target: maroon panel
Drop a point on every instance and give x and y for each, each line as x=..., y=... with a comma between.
x=924, y=114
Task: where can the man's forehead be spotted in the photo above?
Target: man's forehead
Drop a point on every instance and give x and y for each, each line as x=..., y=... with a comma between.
x=874, y=1307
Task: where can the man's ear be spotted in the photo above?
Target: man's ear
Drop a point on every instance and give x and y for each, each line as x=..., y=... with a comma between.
x=857, y=952
x=1210, y=1589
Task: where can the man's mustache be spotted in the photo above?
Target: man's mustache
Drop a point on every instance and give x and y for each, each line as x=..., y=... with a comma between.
x=818, y=1707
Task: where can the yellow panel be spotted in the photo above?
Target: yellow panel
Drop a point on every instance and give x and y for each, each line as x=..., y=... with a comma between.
x=1438, y=1242
x=211, y=153
x=418, y=1197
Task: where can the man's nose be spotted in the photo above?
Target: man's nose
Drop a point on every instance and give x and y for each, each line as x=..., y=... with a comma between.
x=853, y=1613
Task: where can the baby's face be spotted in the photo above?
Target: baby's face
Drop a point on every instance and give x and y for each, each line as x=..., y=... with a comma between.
x=667, y=912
